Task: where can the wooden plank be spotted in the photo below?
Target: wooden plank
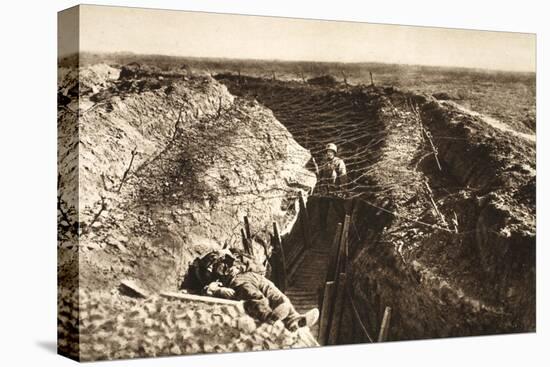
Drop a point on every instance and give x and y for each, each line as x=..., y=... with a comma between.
x=278, y=245
x=326, y=308
x=334, y=331
x=196, y=298
x=331, y=271
x=295, y=264
x=304, y=219
x=384, y=328
x=130, y=287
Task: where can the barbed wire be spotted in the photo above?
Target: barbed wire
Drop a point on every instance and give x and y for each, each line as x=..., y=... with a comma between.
x=355, y=129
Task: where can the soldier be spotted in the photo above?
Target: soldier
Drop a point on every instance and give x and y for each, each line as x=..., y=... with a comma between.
x=333, y=173
x=230, y=277
x=332, y=181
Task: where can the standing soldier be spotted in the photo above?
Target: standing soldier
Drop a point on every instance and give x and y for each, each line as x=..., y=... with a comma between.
x=332, y=181
x=333, y=175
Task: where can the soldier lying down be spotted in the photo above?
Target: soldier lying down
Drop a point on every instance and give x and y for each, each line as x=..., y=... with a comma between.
x=233, y=275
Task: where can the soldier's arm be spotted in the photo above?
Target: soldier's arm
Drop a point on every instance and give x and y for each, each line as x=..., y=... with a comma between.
x=342, y=173
x=216, y=289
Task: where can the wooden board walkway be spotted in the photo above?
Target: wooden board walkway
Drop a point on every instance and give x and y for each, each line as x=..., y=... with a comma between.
x=307, y=280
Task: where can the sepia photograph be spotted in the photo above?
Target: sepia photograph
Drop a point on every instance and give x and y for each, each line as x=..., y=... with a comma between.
x=236, y=183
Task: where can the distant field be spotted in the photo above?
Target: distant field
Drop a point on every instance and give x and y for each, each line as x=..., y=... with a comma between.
x=506, y=96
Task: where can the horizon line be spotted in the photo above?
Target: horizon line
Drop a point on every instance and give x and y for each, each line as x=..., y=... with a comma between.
x=471, y=68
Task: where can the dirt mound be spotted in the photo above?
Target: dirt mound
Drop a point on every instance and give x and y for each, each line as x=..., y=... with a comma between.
x=443, y=96
x=457, y=256
x=84, y=81
x=324, y=80
x=165, y=174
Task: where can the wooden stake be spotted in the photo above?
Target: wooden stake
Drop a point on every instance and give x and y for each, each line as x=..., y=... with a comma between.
x=334, y=331
x=247, y=227
x=355, y=207
x=371, y=79
x=278, y=245
x=341, y=260
x=345, y=78
x=326, y=308
x=384, y=328
x=245, y=241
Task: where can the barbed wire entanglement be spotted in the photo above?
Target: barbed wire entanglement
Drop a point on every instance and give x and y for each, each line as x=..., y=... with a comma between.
x=356, y=119
x=318, y=116
x=350, y=117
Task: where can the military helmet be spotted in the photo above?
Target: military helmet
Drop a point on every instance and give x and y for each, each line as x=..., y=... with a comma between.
x=332, y=147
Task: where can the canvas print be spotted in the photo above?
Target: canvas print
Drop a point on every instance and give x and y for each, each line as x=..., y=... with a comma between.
x=233, y=183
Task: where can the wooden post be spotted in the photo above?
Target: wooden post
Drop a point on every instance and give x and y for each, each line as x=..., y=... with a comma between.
x=345, y=78
x=246, y=243
x=371, y=79
x=279, y=248
x=326, y=308
x=331, y=272
x=334, y=331
x=305, y=222
x=346, y=256
x=340, y=262
x=355, y=208
x=243, y=237
x=247, y=227
x=384, y=327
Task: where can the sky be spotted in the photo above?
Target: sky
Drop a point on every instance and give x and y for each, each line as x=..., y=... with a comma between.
x=180, y=33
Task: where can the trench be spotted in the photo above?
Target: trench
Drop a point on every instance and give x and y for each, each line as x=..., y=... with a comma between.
x=440, y=282
x=316, y=116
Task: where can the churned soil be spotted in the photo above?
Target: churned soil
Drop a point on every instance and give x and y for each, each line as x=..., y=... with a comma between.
x=156, y=168
x=442, y=201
